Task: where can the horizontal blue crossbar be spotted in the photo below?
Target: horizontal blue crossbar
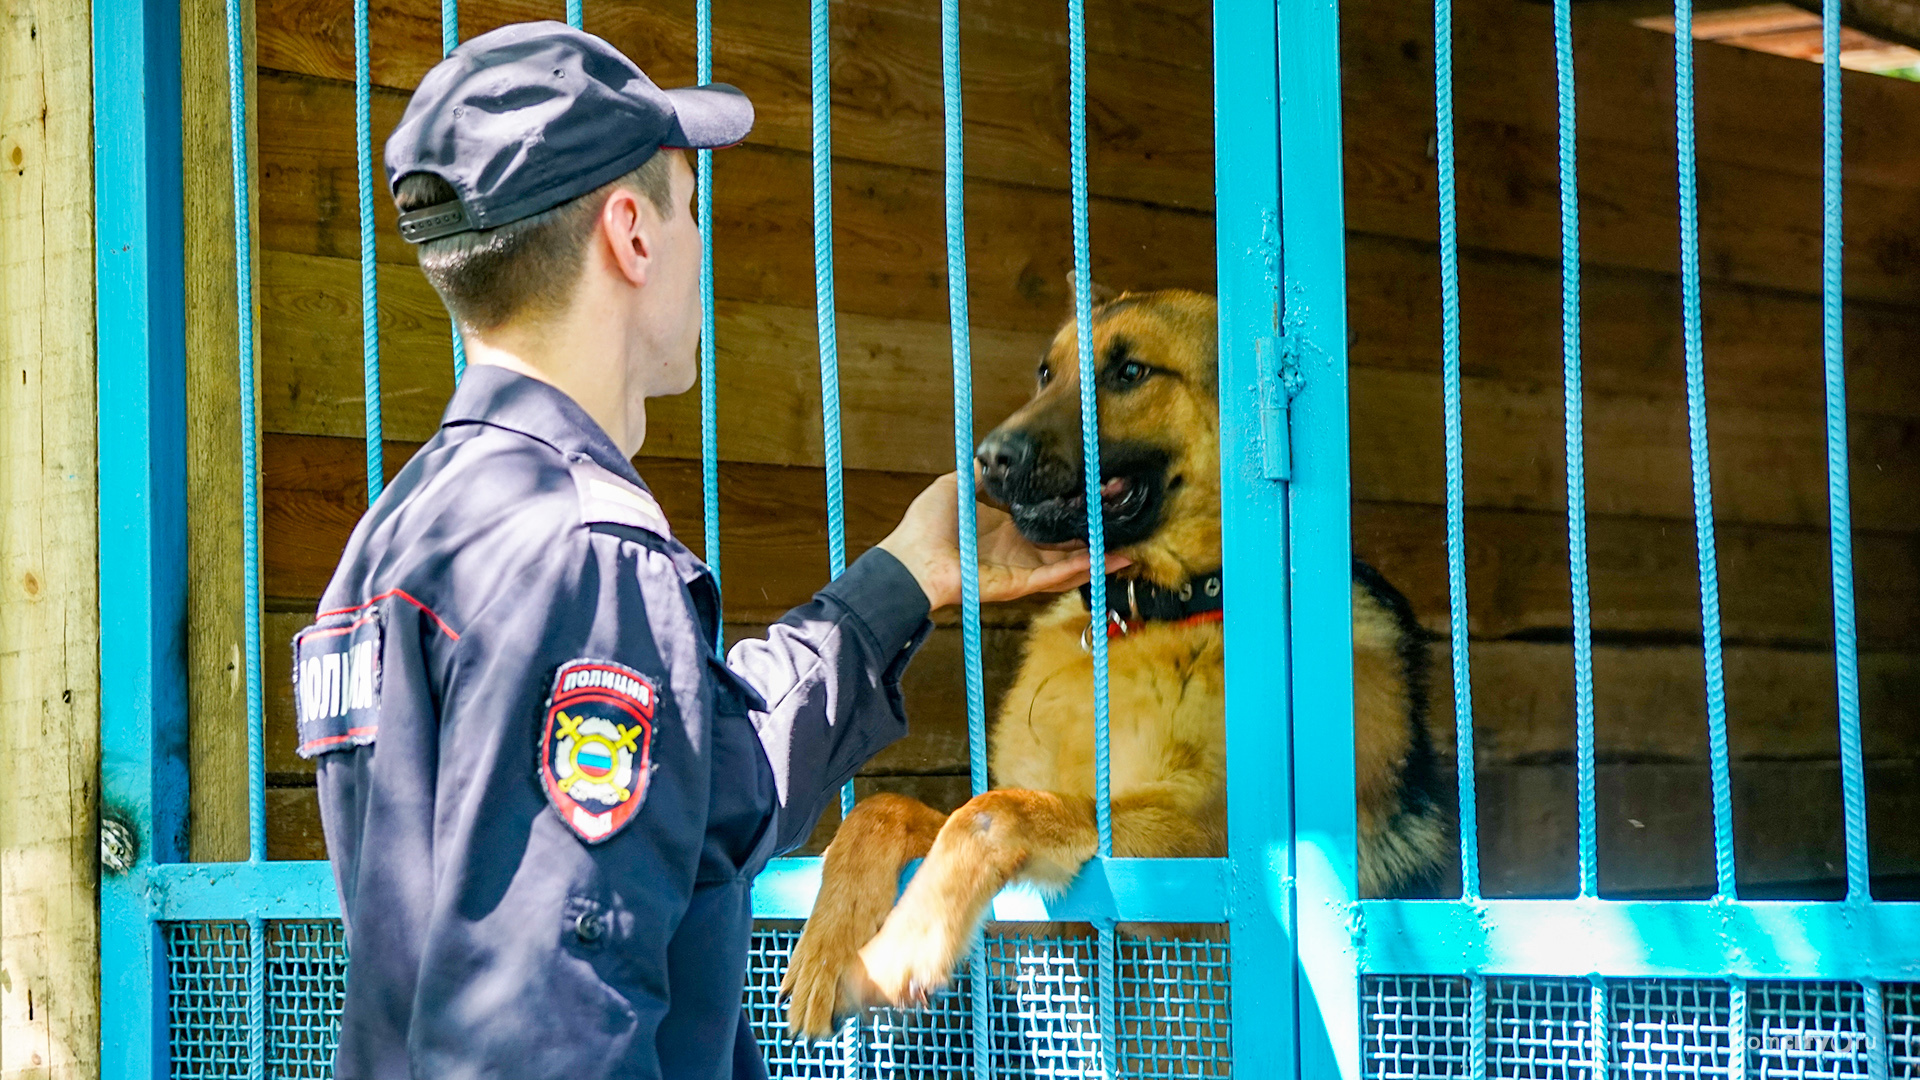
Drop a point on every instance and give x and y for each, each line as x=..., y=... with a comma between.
x=1616, y=938
x=1130, y=890
x=1634, y=939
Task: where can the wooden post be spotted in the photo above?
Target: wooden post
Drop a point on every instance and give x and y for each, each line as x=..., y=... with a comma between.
x=216, y=623
x=49, y=603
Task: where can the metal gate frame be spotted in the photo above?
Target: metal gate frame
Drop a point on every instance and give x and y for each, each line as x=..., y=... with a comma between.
x=143, y=514
x=1288, y=888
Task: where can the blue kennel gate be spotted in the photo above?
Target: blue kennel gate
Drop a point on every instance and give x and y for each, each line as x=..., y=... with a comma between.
x=235, y=969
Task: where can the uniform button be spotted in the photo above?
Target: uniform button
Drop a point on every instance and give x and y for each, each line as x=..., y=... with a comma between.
x=586, y=927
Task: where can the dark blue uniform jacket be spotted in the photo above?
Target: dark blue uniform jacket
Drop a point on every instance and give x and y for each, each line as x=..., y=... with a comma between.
x=545, y=794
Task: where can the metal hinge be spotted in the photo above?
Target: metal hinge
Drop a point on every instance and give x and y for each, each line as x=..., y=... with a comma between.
x=1280, y=380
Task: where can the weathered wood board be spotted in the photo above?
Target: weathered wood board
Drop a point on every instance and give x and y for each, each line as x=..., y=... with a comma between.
x=49, y=575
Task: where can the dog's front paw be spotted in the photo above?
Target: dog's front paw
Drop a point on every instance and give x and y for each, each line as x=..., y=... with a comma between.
x=817, y=985
x=908, y=962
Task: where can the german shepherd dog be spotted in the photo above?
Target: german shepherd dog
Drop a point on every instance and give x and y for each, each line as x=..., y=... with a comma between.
x=1156, y=361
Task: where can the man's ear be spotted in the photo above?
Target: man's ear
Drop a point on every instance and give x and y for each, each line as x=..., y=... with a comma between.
x=1101, y=293
x=627, y=230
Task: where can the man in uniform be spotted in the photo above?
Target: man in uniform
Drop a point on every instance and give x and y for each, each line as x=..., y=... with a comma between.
x=545, y=794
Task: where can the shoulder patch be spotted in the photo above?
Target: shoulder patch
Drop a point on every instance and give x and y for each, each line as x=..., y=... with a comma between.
x=596, y=745
x=608, y=498
x=336, y=681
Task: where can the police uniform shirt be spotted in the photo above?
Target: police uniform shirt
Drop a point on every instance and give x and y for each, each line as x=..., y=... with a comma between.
x=545, y=795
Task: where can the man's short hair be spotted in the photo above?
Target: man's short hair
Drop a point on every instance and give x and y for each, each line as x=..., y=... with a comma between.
x=527, y=267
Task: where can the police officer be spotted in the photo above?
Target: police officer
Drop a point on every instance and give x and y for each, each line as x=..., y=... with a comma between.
x=545, y=794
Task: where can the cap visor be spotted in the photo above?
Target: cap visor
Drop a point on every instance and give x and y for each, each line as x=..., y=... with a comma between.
x=709, y=117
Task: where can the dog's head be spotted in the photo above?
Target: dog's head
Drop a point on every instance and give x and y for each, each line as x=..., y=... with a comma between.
x=1155, y=364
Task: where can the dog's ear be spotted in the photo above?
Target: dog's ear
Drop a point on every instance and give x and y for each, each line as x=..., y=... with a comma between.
x=1101, y=293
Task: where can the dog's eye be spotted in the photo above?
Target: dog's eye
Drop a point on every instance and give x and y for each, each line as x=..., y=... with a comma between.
x=1046, y=373
x=1131, y=372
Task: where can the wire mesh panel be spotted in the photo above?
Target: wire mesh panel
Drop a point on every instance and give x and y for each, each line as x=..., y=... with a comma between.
x=1671, y=1028
x=1903, y=1029
x=1414, y=1026
x=207, y=1029
x=1806, y=1031
x=1539, y=1028
x=1043, y=1013
x=306, y=982
x=1173, y=1006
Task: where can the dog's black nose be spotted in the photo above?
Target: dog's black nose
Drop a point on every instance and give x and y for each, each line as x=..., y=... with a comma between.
x=1005, y=454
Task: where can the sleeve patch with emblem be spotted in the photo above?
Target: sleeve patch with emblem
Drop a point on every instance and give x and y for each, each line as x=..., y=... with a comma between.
x=336, y=682
x=596, y=744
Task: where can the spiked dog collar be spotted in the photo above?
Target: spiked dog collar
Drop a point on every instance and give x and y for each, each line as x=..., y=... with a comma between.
x=1132, y=603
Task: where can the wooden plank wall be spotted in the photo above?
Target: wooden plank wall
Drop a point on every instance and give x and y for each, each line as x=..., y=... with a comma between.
x=49, y=588
x=1151, y=173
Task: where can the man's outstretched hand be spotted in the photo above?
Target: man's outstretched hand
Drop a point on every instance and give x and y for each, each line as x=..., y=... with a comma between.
x=926, y=543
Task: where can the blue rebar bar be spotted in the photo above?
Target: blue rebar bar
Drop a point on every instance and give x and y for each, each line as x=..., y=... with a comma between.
x=1598, y=1025
x=709, y=379
x=1873, y=1003
x=449, y=40
x=1576, y=455
x=1090, y=454
x=1846, y=653
x=1697, y=442
x=968, y=532
x=369, y=264
x=249, y=431
x=256, y=998
x=574, y=17
x=1089, y=405
x=1737, y=1028
x=1456, y=482
x=823, y=306
x=1477, y=1027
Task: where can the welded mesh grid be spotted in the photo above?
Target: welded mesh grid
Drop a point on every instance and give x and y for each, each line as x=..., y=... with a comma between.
x=1806, y=1031
x=1903, y=1030
x=306, y=982
x=1170, y=1006
x=207, y=1026
x=1670, y=1028
x=1414, y=1026
x=1417, y=1026
x=1539, y=1028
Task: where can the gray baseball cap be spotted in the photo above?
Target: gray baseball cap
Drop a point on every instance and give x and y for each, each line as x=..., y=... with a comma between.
x=528, y=116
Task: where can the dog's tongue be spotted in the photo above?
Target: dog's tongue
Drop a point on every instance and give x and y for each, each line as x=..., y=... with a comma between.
x=1116, y=486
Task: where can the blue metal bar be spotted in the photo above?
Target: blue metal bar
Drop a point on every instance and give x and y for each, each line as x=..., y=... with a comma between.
x=141, y=369
x=449, y=40
x=1091, y=476
x=1697, y=441
x=823, y=305
x=1314, y=359
x=1747, y=939
x=574, y=17
x=1477, y=1027
x=1599, y=1026
x=1576, y=450
x=709, y=377
x=968, y=530
x=1253, y=520
x=1121, y=889
x=1737, y=1028
x=248, y=379
x=1456, y=479
x=1873, y=1002
x=369, y=264
x=1846, y=650
x=1089, y=404
x=256, y=998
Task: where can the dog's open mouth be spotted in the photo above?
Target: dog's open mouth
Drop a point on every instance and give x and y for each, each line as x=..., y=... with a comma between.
x=1131, y=496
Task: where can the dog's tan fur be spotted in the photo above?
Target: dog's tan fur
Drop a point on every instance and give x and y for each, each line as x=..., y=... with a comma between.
x=1168, y=745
